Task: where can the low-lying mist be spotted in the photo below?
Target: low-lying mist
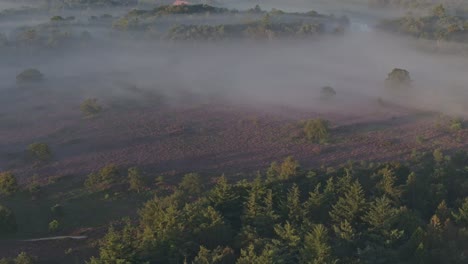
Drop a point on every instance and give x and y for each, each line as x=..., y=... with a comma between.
x=279, y=72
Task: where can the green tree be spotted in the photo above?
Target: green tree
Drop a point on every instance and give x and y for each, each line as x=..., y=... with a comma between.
x=24, y=258
x=218, y=255
x=40, y=151
x=8, y=183
x=7, y=221
x=316, y=248
x=135, y=180
x=90, y=107
x=327, y=92
x=29, y=76
x=317, y=130
x=54, y=226
x=293, y=207
x=249, y=255
x=191, y=184
x=461, y=215
x=349, y=206
x=398, y=78
x=381, y=215
x=118, y=247
x=287, y=244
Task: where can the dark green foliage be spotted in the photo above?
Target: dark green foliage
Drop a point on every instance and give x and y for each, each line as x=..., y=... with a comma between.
x=438, y=25
x=135, y=180
x=29, y=76
x=385, y=213
x=398, y=79
x=218, y=255
x=90, y=107
x=7, y=221
x=8, y=183
x=102, y=179
x=22, y=258
x=40, y=152
x=289, y=168
x=316, y=130
x=327, y=92
x=54, y=226
x=118, y=246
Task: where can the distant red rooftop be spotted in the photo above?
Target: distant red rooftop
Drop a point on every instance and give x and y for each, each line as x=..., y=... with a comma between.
x=180, y=2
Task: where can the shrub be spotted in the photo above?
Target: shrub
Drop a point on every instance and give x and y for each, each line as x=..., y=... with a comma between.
x=398, y=78
x=456, y=124
x=29, y=76
x=24, y=258
x=438, y=156
x=54, y=226
x=56, y=18
x=8, y=183
x=135, y=180
x=90, y=107
x=40, y=151
x=102, y=179
x=7, y=221
x=327, y=92
x=316, y=130
x=191, y=184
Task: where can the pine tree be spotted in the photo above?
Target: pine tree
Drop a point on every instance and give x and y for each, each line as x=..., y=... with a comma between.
x=349, y=206
x=461, y=216
x=286, y=247
x=118, y=247
x=293, y=207
x=250, y=256
x=316, y=249
x=380, y=215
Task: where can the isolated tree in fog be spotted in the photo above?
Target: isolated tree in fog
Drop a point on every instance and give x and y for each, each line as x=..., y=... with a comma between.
x=8, y=183
x=29, y=76
x=90, y=107
x=398, y=78
x=7, y=221
x=327, y=92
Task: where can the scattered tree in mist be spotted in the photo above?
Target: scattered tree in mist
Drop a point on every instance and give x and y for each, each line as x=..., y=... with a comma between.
x=29, y=76
x=316, y=130
x=398, y=79
x=8, y=184
x=90, y=107
x=40, y=152
x=7, y=221
x=327, y=92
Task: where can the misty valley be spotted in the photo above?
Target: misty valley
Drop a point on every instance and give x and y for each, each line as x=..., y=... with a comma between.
x=233, y=131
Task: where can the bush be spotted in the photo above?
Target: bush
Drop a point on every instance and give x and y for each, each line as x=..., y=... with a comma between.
x=102, y=179
x=456, y=124
x=8, y=183
x=398, y=78
x=29, y=76
x=54, y=226
x=7, y=221
x=316, y=130
x=90, y=107
x=24, y=258
x=135, y=180
x=40, y=151
x=327, y=92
